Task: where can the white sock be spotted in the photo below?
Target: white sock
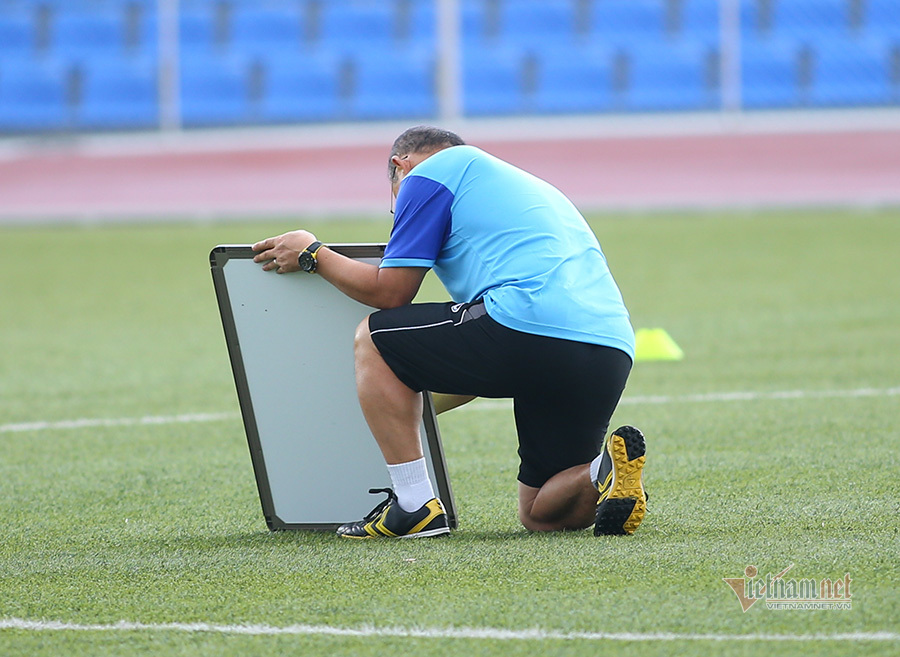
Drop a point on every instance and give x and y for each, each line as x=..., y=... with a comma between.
x=595, y=468
x=411, y=484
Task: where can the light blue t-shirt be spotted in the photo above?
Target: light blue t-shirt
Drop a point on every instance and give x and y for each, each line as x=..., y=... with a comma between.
x=491, y=230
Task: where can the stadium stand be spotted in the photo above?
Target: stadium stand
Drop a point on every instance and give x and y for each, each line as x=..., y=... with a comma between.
x=617, y=22
x=575, y=78
x=301, y=87
x=672, y=78
x=769, y=74
x=394, y=85
x=92, y=64
x=492, y=80
x=537, y=22
x=120, y=94
x=35, y=96
x=851, y=72
x=16, y=35
x=214, y=89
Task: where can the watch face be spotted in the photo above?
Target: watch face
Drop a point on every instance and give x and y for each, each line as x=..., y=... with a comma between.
x=307, y=261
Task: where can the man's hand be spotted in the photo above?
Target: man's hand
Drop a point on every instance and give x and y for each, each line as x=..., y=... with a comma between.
x=282, y=252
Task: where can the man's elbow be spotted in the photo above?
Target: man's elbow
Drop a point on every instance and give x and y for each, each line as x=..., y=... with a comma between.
x=395, y=299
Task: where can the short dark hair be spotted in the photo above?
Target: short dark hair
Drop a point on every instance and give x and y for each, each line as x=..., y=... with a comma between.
x=421, y=139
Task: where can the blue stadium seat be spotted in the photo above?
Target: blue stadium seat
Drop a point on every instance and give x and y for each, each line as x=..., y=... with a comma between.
x=851, y=72
x=615, y=22
x=33, y=96
x=769, y=74
x=816, y=18
x=700, y=21
x=395, y=85
x=120, y=93
x=541, y=22
x=355, y=25
x=214, y=90
x=300, y=87
x=16, y=34
x=574, y=79
x=196, y=27
x=424, y=23
x=883, y=19
x=260, y=28
x=473, y=22
x=91, y=34
x=669, y=78
x=492, y=80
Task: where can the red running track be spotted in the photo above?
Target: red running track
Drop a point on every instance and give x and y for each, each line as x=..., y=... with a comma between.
x=628, y=173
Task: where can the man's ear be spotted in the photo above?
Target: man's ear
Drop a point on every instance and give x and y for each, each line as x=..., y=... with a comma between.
x=402, y=163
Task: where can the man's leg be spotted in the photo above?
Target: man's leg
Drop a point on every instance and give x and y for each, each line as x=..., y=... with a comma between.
x=394, y=413
x=568, y=500
x=392, y=410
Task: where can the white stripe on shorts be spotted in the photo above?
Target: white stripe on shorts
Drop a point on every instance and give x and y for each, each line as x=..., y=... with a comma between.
x=423, y=326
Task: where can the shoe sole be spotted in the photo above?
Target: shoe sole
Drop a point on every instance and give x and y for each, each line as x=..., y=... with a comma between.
x=624, y=508
x=440, y=531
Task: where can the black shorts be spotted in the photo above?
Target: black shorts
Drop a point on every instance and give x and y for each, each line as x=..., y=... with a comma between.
x=564, y=392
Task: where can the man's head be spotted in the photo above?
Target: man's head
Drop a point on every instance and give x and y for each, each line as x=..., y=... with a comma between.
x=416, y=144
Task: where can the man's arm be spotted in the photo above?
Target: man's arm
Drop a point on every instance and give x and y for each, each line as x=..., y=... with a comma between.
x=387, y=287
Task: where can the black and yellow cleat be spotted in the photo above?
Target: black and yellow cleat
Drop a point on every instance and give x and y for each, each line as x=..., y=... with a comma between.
x=623, y=501
x=390, y=521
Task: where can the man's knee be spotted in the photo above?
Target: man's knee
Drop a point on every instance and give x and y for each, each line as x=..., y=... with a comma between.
x=528, y=515
x=362, y=341
x=535, y=523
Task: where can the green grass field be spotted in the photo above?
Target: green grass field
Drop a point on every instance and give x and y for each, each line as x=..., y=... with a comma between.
x=160, y=523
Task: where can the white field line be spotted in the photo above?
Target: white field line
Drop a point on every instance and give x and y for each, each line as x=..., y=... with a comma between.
x=87, y=423
x=493, y=634
x=494, y=404
x=480, y=405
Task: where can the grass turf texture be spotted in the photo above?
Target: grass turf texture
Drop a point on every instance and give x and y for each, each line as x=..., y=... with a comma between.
x=161, y=523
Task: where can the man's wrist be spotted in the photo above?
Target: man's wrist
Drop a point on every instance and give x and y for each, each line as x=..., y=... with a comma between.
x=308, y=258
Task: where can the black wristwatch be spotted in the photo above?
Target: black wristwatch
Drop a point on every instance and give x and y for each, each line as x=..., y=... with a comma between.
x=307, y=259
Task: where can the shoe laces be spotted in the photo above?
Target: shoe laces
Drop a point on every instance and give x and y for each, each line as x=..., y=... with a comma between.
x=391, y=498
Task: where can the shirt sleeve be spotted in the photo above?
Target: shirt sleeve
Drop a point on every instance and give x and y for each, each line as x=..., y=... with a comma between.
x=421, y=223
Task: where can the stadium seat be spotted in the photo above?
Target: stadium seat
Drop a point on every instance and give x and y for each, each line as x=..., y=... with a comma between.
x=355, y=25
x=90, y=34
x=33, y=96
x=300, y=87
x=423, y=24
x=851, y=72
x=769, y=74
x=475, y=23
x=883, y=19
x=669, y=78
x=395, y=85
x=700, y=21
x=811, y=18
x=541, y=22
x=214, y=90
x=492, y=80
x=120, y=94
x=260, y=28
x=616, y=22
x=574, y=79
x=144, y=40
x=196, y=27
x=16, y=34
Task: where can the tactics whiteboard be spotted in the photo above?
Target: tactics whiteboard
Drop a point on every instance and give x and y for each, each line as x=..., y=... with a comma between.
x=290, y=341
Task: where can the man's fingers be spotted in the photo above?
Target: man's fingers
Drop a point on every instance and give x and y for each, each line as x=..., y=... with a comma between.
x=265, y=255
x=264, y=244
